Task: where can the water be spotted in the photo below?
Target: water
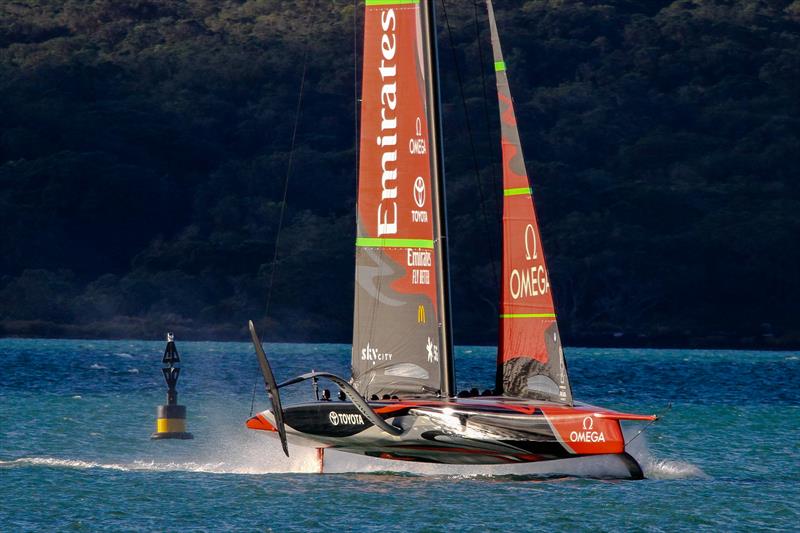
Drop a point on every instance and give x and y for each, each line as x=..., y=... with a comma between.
x=75, y=453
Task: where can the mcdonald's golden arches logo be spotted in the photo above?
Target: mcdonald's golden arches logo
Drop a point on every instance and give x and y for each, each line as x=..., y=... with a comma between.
x=421, y=319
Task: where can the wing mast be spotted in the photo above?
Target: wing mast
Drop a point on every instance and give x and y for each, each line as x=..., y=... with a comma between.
x=440, y=216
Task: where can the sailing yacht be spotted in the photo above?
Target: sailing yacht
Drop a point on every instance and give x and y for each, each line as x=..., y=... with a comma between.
x=401, y=402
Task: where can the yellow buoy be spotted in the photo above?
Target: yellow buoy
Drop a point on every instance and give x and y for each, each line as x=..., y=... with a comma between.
x=171, y=418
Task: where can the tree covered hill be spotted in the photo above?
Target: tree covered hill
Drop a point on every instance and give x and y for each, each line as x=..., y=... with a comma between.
x=144, y=146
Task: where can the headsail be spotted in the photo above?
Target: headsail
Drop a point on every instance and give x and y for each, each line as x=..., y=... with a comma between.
x=397, y=330
x=530, y=360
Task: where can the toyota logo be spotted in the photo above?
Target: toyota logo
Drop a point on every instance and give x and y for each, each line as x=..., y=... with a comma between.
x=588, y=423
x=419, y=192
x=333, y=416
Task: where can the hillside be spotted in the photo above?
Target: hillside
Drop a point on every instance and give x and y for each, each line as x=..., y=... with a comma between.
x=144, y=146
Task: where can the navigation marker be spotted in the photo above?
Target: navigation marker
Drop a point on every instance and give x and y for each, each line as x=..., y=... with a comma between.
x=171, y=418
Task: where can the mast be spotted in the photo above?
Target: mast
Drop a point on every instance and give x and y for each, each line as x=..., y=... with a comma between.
x=437, y=179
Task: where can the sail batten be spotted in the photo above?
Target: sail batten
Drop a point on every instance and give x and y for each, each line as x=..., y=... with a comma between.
x=530, y=359
x=399, y=346
x=384, y=242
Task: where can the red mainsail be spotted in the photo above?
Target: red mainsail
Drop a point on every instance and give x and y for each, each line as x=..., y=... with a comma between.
x=397, y=317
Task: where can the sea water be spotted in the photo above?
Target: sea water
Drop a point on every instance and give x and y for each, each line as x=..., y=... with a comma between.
x=75, y=449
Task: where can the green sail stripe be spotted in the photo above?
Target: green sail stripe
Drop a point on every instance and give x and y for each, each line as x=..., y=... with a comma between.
x=380, y=242
x=529, y=315
x=517, y=191
x=499, y=66
x=390, y=2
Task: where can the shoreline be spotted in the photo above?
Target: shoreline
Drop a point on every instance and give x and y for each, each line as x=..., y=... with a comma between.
x=151, y=330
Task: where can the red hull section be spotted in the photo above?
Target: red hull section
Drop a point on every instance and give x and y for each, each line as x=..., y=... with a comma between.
x=259, y=422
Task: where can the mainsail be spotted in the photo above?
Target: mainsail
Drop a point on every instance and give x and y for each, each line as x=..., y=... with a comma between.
x=530, y=360
x=399, y=343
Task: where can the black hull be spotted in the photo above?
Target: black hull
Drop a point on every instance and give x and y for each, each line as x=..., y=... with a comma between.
x=486, y=431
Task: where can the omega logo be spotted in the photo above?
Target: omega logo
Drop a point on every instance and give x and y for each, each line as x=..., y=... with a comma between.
x=588, y=434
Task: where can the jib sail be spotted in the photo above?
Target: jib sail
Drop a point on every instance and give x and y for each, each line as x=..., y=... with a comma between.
x=398, y=317
x=530, y=360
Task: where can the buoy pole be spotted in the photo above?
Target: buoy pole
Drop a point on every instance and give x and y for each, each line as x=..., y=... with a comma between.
x=171, y=418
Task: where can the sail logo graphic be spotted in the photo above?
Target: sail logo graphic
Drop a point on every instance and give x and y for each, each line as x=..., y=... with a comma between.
x=373, y=354
x=419, y=215
x=387, y=140
x=530, y=243
x=588, y=434
x=345, y=419
x=423, y=259
x=417, y=146
x=419, y=191
x=530, y=281
x=433, y=351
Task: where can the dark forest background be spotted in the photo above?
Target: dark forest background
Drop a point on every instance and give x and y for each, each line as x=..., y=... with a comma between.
x=144, y=146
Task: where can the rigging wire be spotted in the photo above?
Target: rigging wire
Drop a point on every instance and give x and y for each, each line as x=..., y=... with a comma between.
x=253, y=398
x=647, y=426
x=282, y=215
x=485, y=216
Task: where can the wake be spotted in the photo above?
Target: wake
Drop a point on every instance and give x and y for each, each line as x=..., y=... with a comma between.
x=257, y=455
x=241, y=453
x=254, y=453
x=123, y=467
x=656, y=468
x=156, y=466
